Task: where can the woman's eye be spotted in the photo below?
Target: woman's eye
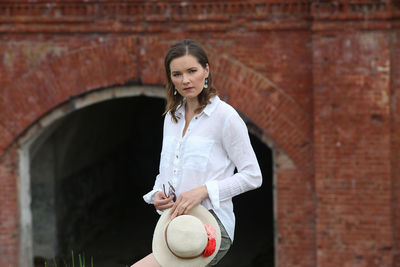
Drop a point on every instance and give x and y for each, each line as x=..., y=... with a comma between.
x=192, y=71
x=176, y=74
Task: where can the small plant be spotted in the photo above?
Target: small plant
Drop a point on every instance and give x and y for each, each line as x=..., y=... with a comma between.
x=81, y=259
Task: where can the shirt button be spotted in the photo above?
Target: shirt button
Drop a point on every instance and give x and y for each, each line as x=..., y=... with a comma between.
x=177, y=156
x=195, y=118
x=174, y=171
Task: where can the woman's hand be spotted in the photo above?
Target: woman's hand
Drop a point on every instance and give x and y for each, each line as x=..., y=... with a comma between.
x=188, y=200
x=161, y=202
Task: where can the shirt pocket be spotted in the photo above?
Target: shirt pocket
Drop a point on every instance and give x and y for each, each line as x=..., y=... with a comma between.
x=166, y=152
x=197, y=153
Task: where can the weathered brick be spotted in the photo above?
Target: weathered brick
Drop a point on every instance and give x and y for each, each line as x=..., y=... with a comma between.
x=320, y=78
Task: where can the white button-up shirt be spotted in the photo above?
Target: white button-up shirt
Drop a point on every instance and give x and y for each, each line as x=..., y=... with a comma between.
x=216, y=141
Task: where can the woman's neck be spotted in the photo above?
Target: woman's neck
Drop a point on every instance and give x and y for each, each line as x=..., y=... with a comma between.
x=192, y=105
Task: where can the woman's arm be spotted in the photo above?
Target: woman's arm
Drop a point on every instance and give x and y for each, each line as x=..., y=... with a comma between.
x=236, y=142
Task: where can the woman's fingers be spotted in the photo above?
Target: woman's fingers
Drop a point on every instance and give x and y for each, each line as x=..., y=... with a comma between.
x=174, y=210
x=162, y=203
x=159, y=196
x=164, y=207
x=179, y=208
x=174, y=213
x=188, y=200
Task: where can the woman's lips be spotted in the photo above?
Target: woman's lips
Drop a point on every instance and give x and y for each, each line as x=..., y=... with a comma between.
x=187, y=88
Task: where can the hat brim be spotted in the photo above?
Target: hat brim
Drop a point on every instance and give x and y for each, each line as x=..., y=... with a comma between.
x=160, y=250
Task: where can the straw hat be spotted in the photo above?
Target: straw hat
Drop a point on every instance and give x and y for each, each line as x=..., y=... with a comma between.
x=190, y=240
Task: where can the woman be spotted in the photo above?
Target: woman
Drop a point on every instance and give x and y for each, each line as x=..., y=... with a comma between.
x=204, y=140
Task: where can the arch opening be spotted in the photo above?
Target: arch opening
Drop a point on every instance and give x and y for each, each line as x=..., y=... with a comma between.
x=89, y=170
x=87, y=179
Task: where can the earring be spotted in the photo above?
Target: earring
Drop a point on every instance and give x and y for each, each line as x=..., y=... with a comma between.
x=175, y=90
x=206, y=83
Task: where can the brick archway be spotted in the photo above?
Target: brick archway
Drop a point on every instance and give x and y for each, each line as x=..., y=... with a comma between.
x=139, y=61
x=123, y=61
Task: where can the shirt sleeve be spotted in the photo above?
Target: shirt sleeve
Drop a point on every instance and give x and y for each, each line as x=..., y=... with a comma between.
x=149, y=197
x=213, y=193
x=236, y=142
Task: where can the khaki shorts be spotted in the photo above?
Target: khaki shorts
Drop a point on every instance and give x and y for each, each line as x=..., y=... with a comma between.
x=225, y=243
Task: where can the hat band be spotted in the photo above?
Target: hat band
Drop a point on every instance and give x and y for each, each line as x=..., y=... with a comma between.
x=209, y=249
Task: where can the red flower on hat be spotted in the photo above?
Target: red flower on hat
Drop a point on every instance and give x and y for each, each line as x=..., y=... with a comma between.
x=211, y=234
x=210, y=248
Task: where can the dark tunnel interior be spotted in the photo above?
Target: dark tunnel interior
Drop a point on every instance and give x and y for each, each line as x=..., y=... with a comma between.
x=88, y=176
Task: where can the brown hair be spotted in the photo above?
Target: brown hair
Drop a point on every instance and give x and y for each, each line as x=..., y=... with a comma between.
x=180, y=49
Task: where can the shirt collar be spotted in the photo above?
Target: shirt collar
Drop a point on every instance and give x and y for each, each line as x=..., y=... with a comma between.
x=208, y=110
x=181, y=109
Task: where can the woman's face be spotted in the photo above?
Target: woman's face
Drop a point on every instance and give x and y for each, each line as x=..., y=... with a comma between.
x=188, y=76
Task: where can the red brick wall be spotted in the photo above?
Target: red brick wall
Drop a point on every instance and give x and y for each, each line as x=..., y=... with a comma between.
x=82, y=70
x=320, y=79
x=282, y=56
x=352, y=139
x=8, y=209
x=295, y=212
x=395, y=148
x=352, y=147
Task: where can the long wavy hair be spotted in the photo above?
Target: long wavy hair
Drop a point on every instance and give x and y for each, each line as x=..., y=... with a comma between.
x=179, y=49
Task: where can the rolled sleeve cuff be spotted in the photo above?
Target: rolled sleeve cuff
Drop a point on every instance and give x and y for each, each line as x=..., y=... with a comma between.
x=213, y=193
x=149, y=197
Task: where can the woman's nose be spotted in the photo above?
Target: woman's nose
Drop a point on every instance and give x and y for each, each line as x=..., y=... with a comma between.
x=185, y=79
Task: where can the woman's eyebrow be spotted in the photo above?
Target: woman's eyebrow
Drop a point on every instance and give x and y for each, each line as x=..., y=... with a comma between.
x=177, y=71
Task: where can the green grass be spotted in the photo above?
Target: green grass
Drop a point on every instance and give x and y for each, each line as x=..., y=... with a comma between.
x=81, y=261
